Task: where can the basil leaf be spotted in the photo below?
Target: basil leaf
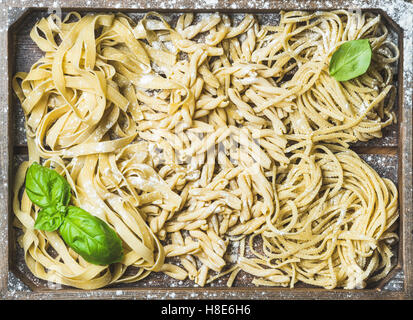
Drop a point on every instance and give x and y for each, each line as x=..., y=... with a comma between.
x=49, y=219
x=91, y=237
x=351, y=60
x=46, y=188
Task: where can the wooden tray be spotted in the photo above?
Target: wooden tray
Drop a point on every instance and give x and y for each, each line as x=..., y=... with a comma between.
x=388, y=155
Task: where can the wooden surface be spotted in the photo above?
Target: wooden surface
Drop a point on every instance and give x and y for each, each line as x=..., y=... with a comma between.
x=389, y=156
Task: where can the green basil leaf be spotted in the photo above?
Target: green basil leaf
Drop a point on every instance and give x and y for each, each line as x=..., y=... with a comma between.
x=46, y=188
x=49, y=219
x=351, y=60
x=91, y=237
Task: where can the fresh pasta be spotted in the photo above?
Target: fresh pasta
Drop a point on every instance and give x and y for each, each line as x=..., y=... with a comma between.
x=190, y=139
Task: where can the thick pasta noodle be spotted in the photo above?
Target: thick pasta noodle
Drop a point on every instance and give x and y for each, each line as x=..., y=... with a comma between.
x=195, y=139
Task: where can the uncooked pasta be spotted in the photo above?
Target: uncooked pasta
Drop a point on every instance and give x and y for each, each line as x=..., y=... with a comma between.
x=192, y=137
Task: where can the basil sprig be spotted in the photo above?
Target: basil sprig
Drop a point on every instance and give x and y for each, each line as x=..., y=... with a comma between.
x=89, y=236
x=46, y=188
x=351, y=60
x=49, y=219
